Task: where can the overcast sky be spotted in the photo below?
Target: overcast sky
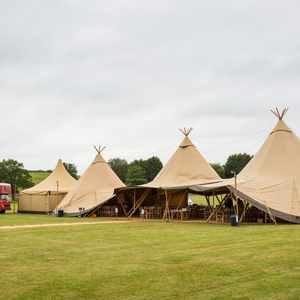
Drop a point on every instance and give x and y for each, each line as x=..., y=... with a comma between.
x=128, y=74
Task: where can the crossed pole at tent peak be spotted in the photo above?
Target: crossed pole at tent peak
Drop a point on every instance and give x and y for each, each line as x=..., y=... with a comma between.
x=99, y=149
x=186, y=131
x=278, y=114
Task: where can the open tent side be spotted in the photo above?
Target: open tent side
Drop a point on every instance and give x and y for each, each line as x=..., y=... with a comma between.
x=95, y=187
x=169, y=189
x=271, y=180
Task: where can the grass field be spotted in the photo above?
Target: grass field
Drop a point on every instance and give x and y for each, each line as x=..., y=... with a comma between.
x=198, y=199
x=32, y=219
x=149, y=260
x=38, y=176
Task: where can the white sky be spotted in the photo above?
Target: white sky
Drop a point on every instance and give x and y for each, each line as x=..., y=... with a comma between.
x=128, y=74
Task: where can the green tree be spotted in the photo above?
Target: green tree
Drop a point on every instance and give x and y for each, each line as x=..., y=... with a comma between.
x=72, y=169
x=13, y=172
x=235, y=163
x=152, y=167
x=120, y=167
x=136, y=175
x=219, y=169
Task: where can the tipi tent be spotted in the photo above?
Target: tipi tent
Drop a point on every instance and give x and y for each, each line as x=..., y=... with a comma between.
x=46, y=195
x=186, y=167
x=95, y=187
x=271, y=180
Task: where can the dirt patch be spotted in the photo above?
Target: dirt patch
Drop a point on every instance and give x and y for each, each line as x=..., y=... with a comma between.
x=60, y=224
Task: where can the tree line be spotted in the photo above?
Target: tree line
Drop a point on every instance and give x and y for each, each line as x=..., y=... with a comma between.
x=234, y=164
x=143, y=171
x=139, y=171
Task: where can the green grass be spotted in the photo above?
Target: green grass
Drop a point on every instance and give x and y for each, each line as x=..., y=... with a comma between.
x=201, y=200
x=198, y=199
x=32, y=219
x=150, y=261
x=38, y=176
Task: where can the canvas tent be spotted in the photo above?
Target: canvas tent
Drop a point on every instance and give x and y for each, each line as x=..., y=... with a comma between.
x=271, y=180
x=46, y=195
x=186, y=167
x=95, y=187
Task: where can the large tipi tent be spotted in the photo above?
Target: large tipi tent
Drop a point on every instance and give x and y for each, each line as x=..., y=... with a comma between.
x=46, y=195
x=186, y=167
x=95, y=187
x=271, y=180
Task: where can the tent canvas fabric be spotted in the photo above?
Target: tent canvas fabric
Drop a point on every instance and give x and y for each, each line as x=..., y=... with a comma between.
x=185, y=168
x=95, y=187
x=271, y=180
x=46, y=195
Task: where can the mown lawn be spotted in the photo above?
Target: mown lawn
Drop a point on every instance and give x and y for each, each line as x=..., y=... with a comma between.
x=30, y=219
x=144, y=260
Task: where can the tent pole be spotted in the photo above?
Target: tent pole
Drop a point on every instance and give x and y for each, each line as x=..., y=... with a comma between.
x=235, y=203
x=167, y=210
x=164, y=214
x=234, y=193
x=220, y=200
x=244, y=211
x=157, y=201
x=120, y=200
x=134, y=198
x=271, y=216
x=215, y=210
x=139, y=202
x=208, y=203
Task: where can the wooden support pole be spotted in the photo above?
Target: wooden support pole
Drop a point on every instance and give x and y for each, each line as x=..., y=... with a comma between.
x=244, y=211
x=208, y=203
x=166, y=205
x=234, y=203
x=215, y=211
x=219, y=200
x=271, y=216
x=139, y=202
x=121, y=202
x=134, y=199
x=167, y=214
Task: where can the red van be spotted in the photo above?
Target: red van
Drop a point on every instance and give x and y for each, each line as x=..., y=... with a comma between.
x=5, y=191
